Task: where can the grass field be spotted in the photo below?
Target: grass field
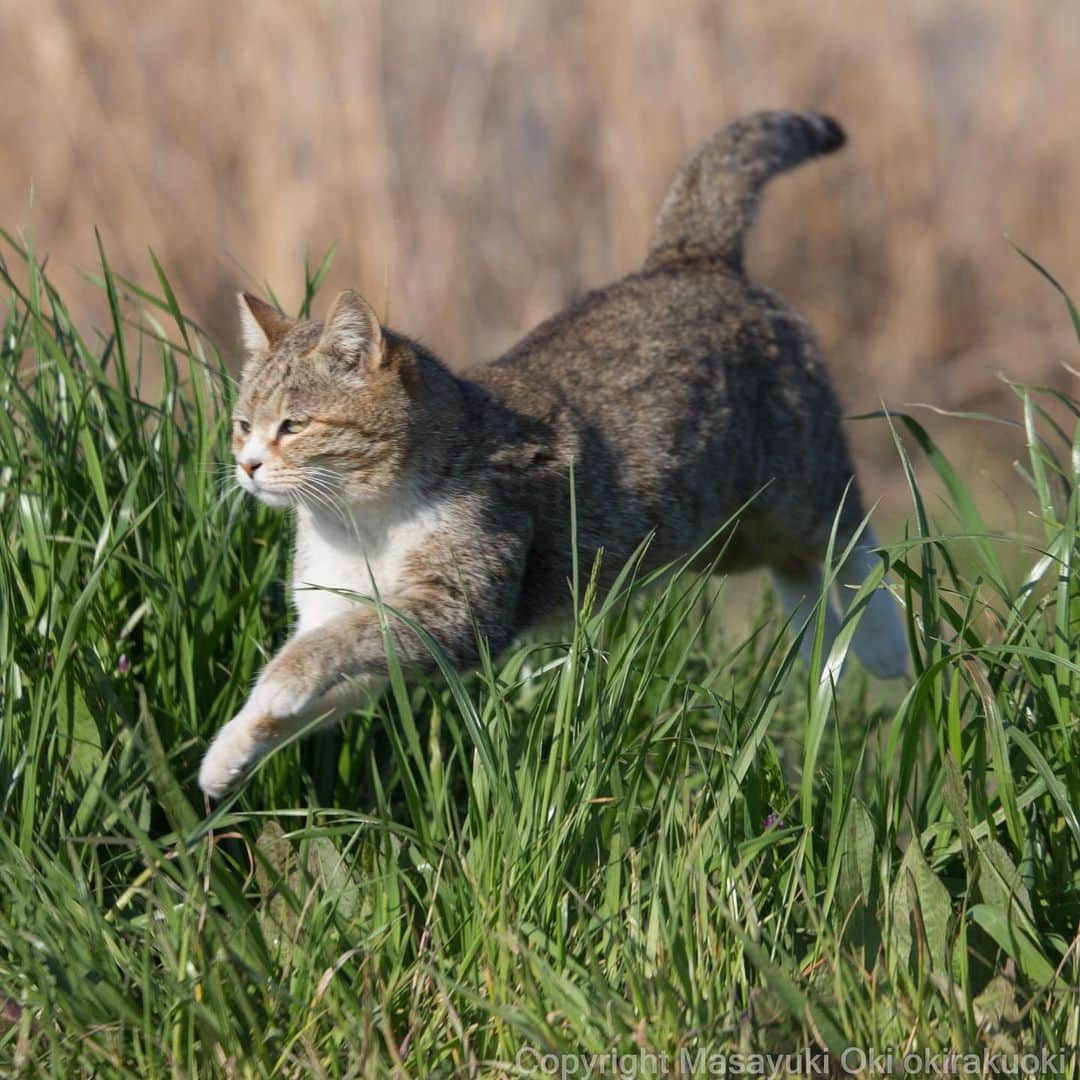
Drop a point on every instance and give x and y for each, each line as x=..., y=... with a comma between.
x=625, y=848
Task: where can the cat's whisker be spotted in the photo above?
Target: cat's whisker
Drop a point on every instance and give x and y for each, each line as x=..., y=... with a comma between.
x=332, y=498
x=223, y=477
x=316, y=490
x=328, y=476
x=312, y=498
x=322, y=478
x=322, y=483
x=311, y=483
x=223, y=495
x=317, y=502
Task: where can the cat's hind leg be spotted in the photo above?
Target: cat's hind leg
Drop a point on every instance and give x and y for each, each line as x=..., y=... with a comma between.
x=799, y=584
x=879, y=642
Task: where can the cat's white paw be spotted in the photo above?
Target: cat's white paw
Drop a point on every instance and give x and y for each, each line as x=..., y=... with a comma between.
x=235, y=750
x=250, y=735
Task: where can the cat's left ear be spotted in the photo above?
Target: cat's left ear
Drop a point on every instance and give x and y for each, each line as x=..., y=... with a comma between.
x=352, y=334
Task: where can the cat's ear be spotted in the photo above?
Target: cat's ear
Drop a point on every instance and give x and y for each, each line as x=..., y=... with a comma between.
x=352, y=334
x=261, y=326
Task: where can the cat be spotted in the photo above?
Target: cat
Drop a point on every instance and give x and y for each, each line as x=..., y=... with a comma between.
x=678, y=394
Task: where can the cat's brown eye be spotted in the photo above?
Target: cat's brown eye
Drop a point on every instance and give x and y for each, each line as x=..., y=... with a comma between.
x=243, y=425
x=290, y=427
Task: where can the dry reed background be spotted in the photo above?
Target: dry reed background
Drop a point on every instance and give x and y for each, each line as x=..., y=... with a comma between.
x=481, y=164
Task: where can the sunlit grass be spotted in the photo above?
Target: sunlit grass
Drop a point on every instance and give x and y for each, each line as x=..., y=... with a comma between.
x=640, y=837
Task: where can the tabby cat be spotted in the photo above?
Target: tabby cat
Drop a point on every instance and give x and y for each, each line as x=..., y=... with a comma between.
x=678, y=394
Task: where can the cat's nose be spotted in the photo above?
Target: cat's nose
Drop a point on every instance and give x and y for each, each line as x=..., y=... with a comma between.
x=250, y=467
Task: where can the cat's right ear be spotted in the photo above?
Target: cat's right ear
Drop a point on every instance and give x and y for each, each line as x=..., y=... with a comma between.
x=352, y=333
x=261, y=326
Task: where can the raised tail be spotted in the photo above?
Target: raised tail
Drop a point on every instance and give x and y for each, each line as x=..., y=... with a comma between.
x=715, y=197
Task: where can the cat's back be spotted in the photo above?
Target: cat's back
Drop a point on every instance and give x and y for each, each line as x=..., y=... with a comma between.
x=676, y=393
x=661, y=363
x=647, y=324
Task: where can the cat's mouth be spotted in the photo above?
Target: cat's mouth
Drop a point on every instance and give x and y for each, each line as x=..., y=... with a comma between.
x=273, y=497
x=265, y=492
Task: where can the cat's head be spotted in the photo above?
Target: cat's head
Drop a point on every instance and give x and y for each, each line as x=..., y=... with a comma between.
x=326, y=411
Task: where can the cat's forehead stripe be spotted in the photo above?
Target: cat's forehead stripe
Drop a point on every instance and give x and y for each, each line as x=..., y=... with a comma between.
x=336, y=421
x=266, y=400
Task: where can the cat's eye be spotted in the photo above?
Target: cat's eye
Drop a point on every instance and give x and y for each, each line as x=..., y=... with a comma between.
x=243, y=425
x=290, y=427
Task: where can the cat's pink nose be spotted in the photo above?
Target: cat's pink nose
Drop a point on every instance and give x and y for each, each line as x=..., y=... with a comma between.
x=250, y=467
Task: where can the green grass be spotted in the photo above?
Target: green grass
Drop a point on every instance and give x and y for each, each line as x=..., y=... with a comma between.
x=640, y=838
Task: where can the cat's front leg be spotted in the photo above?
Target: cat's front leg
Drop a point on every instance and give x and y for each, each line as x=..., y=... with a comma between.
x=342, y=663
x=288, y=696
x=236, y=749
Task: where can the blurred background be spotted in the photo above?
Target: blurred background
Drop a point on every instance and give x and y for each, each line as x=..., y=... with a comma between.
x=481, y=164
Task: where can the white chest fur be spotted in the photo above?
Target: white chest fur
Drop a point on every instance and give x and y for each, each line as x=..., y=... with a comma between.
x=357, y=557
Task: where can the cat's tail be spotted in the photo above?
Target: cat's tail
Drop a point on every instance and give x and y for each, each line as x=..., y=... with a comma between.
x=714, y=199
